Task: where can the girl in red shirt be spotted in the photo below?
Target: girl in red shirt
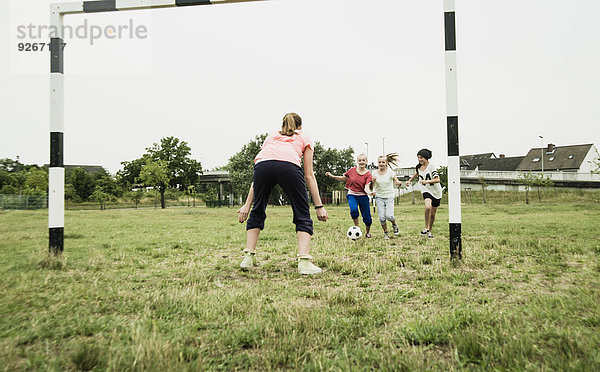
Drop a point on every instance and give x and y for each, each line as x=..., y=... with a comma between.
x=358, y=183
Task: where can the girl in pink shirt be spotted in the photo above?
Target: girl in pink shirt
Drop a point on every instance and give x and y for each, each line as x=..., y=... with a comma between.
x=358, y=183
x=278, y=162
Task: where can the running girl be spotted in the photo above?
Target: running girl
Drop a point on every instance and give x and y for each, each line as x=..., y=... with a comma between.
x=429, y=182
x=358, y=183
x=278, y=162
x=384, y=180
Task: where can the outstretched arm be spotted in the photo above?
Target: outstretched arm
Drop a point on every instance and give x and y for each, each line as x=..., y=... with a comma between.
x=311, y=182
x=412, y=178
x=337, y=178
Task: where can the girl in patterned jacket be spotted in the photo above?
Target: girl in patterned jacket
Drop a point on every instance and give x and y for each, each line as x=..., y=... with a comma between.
x=429, y=181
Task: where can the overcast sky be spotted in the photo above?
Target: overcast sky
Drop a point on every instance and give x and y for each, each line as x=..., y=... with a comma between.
x=356, y=71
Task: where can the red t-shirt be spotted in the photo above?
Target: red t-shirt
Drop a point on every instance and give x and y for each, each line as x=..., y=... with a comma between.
x=356, y=182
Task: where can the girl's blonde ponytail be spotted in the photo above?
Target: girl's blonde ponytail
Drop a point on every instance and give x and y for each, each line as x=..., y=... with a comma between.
x=391, y=158
x=291, y=123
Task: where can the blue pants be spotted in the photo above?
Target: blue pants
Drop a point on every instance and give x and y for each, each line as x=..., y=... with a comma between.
x=291, y=179
x=360, y=201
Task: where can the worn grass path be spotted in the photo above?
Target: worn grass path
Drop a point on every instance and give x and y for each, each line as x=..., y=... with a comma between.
x=161, y=290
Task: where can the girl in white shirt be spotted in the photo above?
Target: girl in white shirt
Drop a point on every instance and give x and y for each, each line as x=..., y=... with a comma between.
x=429, y=181
x=384, y=180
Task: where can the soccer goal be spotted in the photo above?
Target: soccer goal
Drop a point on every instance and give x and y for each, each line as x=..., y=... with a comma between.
x=56, y=182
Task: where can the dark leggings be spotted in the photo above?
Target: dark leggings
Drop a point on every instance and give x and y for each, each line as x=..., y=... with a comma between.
x=290, y=177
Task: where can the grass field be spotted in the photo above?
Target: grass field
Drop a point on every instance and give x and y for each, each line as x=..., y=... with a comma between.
x=161, y=290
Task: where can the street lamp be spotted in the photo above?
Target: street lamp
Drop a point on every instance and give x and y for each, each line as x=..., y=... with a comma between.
x=367, y=143
x=383, y=145
x=542, y=140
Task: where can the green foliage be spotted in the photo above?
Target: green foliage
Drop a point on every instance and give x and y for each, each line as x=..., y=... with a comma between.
x=12, y=182
x=173, y=194
x=19, y=178
x=136, y=196
x=210, y=194
x=331, y=160
x=106, y=183
x=484, y=185
x=5, y=179
x=530, y=180
x=101, y=197
x=596, y=163
x=156, y=174
x=129, y=175
x=183, y=171
x=178, y=169
x=443, y=173
x=12, y=166
x=9, y=190
x=82, y=182
x=36, y=182
x=8, y=183
x=71, y=193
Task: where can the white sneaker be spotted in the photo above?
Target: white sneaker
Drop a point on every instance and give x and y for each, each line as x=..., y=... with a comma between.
x=424, y=232
x=386, y=236
x=306, y=267
x=396, y=230
x=429, y=235
x=249, y=260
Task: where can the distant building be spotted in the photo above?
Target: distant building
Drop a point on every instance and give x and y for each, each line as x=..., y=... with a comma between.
x=502, y=163
x=473, y=162
x=489, y=162
x=88, y=168
x=574, y=158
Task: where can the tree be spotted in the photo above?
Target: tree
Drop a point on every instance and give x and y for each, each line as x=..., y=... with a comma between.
x=8, y=182
x=483, y=186
x=183, y=171
x=12, y=166
x=135, y=196
x=443, y=173
x=191, y=191
x=70, y=194
x=128, y=176
x=107, y=183
x=596, y=163
x=101, y=197
x=156, y=174
x=540, y=182
x=241, y=165
x=82, y=181
x=334, y=161
x=36, y=182
x=530, y=180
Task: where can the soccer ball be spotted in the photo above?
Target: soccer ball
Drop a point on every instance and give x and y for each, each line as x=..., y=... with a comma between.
x=354, y=232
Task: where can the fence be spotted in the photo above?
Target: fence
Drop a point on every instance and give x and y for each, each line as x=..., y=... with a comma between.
x=554, y=176
x=23, y=201
x=514, y=175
